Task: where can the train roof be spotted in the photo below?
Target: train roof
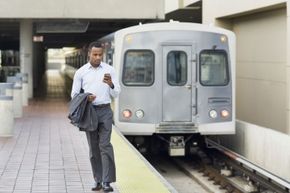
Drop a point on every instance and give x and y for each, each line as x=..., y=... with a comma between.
x=174, y=26
x=163, y=26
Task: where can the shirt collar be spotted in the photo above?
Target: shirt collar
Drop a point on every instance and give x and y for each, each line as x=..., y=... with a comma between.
x=90, y=66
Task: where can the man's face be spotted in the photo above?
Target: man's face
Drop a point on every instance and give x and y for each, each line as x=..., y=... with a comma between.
x=96, y=56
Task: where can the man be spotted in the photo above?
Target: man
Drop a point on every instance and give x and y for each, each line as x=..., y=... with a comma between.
x=99, y=79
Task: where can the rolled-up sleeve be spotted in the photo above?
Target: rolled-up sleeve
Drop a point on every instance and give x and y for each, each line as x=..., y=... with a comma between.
x=77, y=84
x=116, y=90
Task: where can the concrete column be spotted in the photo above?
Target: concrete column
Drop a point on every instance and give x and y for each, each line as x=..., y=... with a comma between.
x=38, y=64
x=26, y=54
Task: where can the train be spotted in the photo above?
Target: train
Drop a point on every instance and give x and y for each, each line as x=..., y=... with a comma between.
x=9, y=64
x=177, y=81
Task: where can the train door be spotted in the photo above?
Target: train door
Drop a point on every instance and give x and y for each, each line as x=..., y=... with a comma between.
x=179, y=100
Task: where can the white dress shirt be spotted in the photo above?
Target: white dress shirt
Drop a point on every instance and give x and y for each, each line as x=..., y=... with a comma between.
x=90, y=79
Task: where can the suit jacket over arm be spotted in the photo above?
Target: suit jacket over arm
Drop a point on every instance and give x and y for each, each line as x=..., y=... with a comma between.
x=82, y=113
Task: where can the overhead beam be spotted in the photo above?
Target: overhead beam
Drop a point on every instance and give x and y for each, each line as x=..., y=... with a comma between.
x=102, y=9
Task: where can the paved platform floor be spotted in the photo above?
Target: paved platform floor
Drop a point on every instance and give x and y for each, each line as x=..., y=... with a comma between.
x=46, y=153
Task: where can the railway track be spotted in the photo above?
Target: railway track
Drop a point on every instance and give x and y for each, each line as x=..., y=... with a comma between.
x=180, y=180
x=243, y=175
x=216, y=170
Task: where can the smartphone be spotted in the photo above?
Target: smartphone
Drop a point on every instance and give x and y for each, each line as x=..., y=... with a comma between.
x=107, y=76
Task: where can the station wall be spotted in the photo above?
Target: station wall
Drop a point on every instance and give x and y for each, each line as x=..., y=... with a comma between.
x=261, y=66
x=227, y=8
x=261, y=30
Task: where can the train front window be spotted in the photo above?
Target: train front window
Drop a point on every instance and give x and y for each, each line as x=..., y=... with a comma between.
x=214, y=68
x=177, y=68
x=138, y=68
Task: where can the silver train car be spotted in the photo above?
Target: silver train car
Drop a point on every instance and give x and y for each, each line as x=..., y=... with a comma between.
x=177, y=81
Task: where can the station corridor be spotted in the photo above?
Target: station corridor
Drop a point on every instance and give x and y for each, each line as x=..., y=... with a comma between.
x=46, y=153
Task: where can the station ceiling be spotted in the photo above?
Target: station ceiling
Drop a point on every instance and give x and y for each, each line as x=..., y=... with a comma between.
x=62, y=33
x=58, y=33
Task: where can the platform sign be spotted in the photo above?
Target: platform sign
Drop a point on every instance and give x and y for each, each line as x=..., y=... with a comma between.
x=37, y=38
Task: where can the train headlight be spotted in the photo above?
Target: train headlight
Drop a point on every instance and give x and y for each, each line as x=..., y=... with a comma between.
x=223, y=38
x=225, y=113
x=213, y=114
x=128, y=39
x=139, y=114
x=127, y=113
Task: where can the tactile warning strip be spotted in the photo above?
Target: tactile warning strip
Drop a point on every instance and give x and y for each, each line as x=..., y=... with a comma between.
x=134, y=173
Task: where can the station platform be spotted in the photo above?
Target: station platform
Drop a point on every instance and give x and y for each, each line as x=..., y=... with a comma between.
x=48, y=154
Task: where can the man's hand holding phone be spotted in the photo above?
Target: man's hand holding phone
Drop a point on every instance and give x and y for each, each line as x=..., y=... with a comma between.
x=108, y=80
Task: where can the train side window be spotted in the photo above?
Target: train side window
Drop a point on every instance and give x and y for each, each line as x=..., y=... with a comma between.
x=138, y=68
x=109, y=58
x=214, y=68
x=176, y=68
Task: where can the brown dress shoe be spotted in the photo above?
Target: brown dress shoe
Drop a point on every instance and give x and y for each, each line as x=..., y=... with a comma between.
x=98, y=186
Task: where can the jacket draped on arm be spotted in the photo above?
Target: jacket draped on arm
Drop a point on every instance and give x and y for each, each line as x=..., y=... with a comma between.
x=82, y=113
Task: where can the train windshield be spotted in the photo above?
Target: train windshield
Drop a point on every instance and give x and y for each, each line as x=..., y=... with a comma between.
x=138, y=68
x=214, y=68
x=177, y=68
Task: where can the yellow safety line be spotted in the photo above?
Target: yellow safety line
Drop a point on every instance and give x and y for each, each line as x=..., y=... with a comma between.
x=133, y=175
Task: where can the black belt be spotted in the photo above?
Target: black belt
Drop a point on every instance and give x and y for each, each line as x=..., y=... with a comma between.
x=102, y=105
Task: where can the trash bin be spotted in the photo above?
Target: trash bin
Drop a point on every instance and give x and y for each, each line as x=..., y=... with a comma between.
x=6, y=109
x=24, y=79
x=17, y=95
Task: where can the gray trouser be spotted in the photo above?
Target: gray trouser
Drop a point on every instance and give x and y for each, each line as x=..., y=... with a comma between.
x=101, y=149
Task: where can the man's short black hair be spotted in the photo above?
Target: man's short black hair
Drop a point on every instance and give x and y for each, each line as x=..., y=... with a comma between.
x=96, y=44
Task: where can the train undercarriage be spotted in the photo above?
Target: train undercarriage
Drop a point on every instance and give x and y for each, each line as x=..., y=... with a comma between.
x=174, y=145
